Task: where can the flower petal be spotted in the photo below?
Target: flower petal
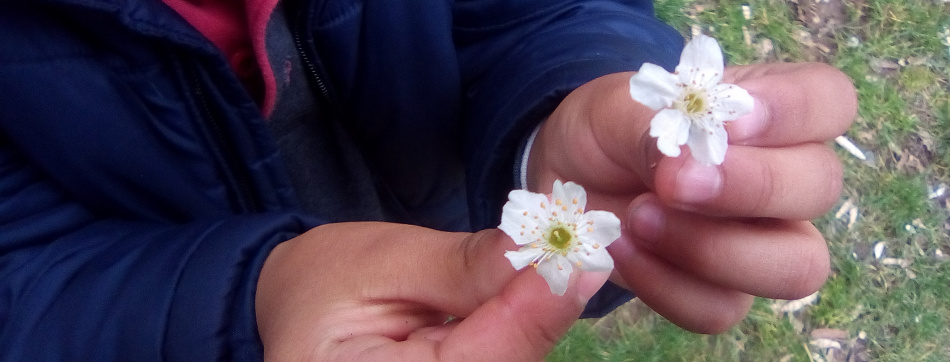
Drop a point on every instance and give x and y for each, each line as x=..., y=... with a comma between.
x=599, y=227
x=671, y=128
x=653, y=86
x=573, y=200
x=519, y=213
x=556, y=271
x=523, y=257
x=591, y=259
x=701, y=62
x=708, y=146
x=730, y=101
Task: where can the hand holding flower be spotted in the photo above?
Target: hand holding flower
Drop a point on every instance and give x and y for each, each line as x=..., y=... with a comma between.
x=693, y=104
x=373, y=291
x=698, y=240
x=556, y=234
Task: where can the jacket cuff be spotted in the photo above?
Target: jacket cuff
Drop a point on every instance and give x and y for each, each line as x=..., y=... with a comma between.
x=212, y=315
x=608, y=298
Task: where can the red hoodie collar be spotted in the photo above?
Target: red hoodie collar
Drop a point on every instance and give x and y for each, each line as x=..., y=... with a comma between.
x=237, y=28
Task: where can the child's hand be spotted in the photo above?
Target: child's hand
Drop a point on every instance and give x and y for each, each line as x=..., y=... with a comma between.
x=699, y=241
x=383, y=292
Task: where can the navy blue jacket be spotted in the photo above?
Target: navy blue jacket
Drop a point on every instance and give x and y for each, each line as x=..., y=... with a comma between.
x=140, y=188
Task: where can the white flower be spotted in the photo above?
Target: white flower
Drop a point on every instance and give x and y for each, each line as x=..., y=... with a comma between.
x=555, y=234
x=693, y=104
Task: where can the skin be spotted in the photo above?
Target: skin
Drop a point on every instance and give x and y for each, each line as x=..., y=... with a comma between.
x=377, y=291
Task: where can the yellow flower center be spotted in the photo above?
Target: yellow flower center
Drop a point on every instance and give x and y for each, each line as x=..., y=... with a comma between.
x=560, y=238
x=694, y=102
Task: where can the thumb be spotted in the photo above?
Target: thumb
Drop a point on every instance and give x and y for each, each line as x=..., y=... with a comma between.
x=524, y=322
x=469, y=272
x=606, y=130
x=506, y=315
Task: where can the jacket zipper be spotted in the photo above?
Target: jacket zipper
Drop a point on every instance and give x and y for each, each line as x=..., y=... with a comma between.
x=245, y=198
x=311, y=65
x=312, y=69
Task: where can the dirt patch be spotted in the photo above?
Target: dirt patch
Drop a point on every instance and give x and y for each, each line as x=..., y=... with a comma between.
x=823, y=19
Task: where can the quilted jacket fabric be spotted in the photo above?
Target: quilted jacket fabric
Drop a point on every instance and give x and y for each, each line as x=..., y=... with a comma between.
x=140, y=187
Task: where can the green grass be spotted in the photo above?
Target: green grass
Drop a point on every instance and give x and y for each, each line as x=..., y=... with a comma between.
x=898, y=59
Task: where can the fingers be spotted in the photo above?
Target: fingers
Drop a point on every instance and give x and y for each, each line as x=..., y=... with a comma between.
x=471, y=271
x=797, y=183
x=454, y=273
x=769, y=257
x=379, y=291
x=701, y=272
x=795, y=103
x=450, y=272
x=523, y=323
x=690, y=302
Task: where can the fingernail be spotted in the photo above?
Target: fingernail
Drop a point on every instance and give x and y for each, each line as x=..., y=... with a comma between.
x=696, y=182
x=646, y=221
x=588, y=283
x=748, y=126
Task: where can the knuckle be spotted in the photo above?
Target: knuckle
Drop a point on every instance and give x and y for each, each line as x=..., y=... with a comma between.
x=763, y=202
x=833, y=174
x=473, y=251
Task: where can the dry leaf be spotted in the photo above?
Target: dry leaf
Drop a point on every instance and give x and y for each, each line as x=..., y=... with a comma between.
x=824, y=343
x=830, y=333
x=879, y=249
x=846, y=143
x=903, y=263
x=789, y=306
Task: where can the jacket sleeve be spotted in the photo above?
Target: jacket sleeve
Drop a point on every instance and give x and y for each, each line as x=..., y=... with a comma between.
x=77, y=286
x=519, y=59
